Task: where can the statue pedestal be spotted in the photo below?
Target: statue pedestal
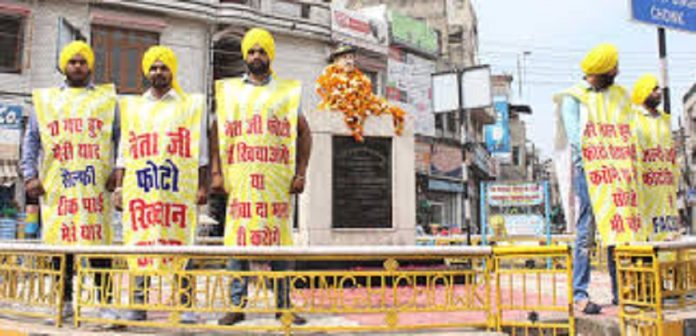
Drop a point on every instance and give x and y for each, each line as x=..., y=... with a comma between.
x=358, y=193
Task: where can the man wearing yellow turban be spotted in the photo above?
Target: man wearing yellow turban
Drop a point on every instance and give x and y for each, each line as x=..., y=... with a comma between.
x=75, y=126
x=165, y=163
x=657, y=166
x=579, y=149
x=262, y=113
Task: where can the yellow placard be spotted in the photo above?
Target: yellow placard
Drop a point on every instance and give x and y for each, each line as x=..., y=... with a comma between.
x=658, y=173
x=76, y=126
x=257, y=128
x=609, y=158
x=161, y=158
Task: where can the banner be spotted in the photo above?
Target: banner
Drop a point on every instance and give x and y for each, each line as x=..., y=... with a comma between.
x=76, y=128
x=446, y=161
x=658, y=174
x=413, y=33
x=498, y=134
x=161, y=158
x=360, y=30
x=409, y=86
x=515, y=194
x=525, y=225
x=257, y=126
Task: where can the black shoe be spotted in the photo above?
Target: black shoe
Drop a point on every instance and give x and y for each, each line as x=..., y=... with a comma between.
x=592, y=308
x=231, y=319
x=296, y=319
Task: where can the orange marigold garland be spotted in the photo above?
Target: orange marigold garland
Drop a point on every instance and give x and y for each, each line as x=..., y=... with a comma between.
x=351, y=94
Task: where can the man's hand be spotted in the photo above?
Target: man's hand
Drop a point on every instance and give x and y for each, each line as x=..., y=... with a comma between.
x=202, y=196
x=117, y=199
x=111, y=182
x=217, y=186
x=297, y=185
x=34, y=188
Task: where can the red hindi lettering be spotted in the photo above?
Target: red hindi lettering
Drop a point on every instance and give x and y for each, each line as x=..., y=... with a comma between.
x=233, y=128
x=255, y=125
x=54, y=128
x=180, y=142
x=94, y=126
x=143, y=145
x=257, y=181
x=241, y=236
x=67, y=233
x=590, y=130
x=617, y=224
x=63, y=152
x=625, y=132
x=240, y=209
x=607, y=130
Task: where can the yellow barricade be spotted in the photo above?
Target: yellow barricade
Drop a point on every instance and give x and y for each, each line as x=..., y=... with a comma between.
x=655, y=281
x=339, y=289
x=536, y=298
x=31, y=283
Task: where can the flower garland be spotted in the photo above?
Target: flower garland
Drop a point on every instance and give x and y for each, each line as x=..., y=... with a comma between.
x=351, y=94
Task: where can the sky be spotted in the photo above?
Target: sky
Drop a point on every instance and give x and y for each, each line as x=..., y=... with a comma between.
x=558, y=34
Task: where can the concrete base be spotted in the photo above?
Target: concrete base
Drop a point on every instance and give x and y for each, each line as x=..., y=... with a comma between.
x=18, y=326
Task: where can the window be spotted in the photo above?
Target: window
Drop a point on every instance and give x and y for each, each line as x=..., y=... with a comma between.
x=362, y=183
x=372, y=75
x=516, y=155
x=118, y=53
x=305, y=11
x=11, y=43
x=440, y=124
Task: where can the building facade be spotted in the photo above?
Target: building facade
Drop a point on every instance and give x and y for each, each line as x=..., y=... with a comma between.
x=686, y=147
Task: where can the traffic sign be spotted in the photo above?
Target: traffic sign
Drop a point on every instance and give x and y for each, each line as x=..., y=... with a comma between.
x=675, y=14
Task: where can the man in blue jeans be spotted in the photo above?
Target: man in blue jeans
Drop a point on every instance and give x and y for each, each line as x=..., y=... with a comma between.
x=600, y=67
x=234, y=97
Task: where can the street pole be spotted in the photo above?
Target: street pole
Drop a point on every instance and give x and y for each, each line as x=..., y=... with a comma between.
x=463, y=120
x=687, y=178
x=519, y=78
x=662, y=46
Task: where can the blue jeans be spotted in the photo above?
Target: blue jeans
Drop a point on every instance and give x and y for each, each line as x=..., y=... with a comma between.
x=611, y=263
x=238, y=288
x=584, y=240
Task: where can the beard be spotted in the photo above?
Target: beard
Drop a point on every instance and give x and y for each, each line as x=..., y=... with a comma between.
x=652, y=102
x=606, y=81
x=258, y=67
x=78, y=79
x=160, y=82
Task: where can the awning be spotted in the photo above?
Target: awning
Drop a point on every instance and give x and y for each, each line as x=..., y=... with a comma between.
x=448, y=186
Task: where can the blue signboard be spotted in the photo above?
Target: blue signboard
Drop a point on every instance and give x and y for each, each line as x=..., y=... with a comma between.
x=10, y=116
x=498, y=134
x=676, y=14
x=10, y=131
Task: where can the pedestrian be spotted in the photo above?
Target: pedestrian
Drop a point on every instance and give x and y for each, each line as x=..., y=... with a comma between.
x=657, y=164
x=593, y=118
x=259, y=114
x=162, y=168
x=72, y=131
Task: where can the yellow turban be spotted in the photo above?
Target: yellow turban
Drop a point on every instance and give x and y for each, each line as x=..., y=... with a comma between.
x=76, y=48
x=643, y=88
x=166, y=56
x=601, y=59
x=261, y=37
